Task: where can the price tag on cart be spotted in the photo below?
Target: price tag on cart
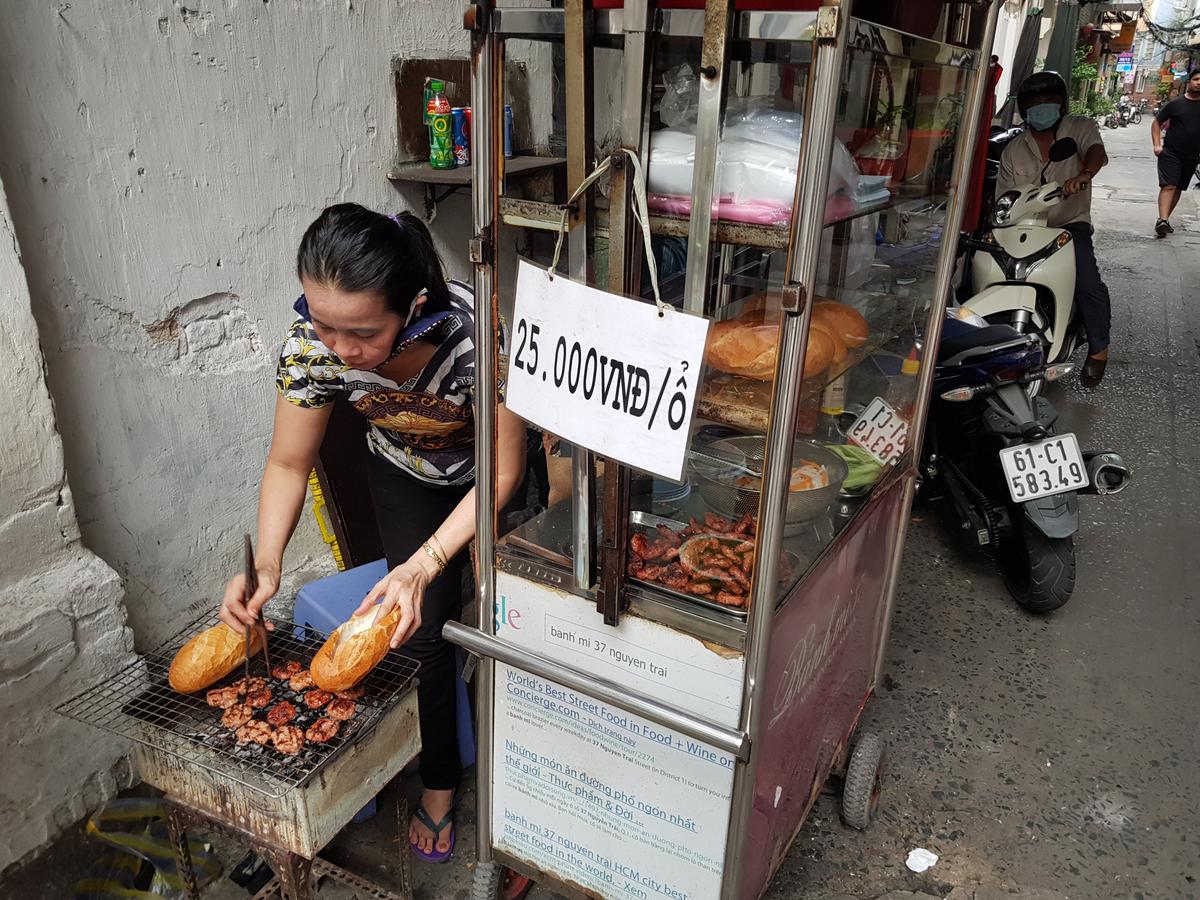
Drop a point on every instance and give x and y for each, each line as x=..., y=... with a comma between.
x=881, y=431
x=1052, y=466
x=606, y=372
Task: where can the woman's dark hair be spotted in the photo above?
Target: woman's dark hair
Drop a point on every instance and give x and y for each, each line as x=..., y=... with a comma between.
x=355, y=250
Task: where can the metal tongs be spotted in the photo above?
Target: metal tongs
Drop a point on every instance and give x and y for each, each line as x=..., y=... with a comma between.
x=248, y=591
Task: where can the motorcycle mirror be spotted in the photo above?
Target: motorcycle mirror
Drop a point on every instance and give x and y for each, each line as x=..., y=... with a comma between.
x=1063, y=149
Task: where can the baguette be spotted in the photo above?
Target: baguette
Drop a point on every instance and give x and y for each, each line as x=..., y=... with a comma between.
x=839, y=346
x=743, y=346
x=844, y=321
x=819, y=354
x=210, y=656
x=354, y=649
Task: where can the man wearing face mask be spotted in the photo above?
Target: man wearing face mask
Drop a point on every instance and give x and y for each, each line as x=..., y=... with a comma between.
x=1042, y=101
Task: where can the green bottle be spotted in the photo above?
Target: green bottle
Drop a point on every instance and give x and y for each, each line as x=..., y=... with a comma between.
x=441, y=137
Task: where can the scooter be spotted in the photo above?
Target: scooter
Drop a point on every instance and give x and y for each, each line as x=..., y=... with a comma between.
x=1011, y=485
x=1023, y=271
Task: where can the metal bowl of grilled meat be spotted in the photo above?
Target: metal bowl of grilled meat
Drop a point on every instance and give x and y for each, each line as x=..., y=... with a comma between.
x=728, y=472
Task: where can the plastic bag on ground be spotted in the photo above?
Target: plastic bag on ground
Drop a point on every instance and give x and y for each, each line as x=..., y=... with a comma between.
x=136, y=829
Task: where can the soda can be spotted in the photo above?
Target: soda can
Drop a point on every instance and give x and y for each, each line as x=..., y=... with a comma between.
x=508, y=128
x=462, y=137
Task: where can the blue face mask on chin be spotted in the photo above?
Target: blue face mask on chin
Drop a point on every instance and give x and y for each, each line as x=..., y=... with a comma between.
x=1043, y=116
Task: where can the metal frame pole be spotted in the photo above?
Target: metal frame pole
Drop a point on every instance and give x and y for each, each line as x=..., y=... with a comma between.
x=804, y=247
x=487, y=158
x=714, y=56
x=578, y=24
x=624, y=277
x=943, y=278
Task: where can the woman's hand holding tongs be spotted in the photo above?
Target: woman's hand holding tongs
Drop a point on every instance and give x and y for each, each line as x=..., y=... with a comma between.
x=236, y=611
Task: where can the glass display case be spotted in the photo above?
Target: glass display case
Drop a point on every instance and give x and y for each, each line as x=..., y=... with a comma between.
x=899, y=110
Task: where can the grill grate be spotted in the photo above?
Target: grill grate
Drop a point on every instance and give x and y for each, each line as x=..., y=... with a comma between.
x=139, y=704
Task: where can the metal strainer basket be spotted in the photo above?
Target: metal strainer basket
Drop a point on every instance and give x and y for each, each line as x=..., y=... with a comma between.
x=719, y=490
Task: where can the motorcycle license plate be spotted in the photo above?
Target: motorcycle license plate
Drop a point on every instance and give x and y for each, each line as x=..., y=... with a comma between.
x=1052, y=466
x=881, y=431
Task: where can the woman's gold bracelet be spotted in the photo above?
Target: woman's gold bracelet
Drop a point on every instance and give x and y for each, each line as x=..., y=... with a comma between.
x=435, y=556
x=440, y=549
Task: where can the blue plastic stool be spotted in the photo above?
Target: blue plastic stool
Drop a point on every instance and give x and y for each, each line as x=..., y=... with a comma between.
x=326, y=603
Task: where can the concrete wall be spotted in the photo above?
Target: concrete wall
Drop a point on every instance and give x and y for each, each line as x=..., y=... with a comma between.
x=62, y=622
x=162, y=162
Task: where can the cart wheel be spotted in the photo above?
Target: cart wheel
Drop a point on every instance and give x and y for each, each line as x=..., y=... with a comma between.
x=514, y=886
x=860, y=790
x=493, y=882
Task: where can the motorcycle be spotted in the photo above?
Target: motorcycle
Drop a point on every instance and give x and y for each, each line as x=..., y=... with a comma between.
x=1023, y=271
x=991, y=455
x=1118, y=118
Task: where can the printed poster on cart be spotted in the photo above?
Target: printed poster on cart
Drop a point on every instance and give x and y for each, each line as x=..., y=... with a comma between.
x=606, y=799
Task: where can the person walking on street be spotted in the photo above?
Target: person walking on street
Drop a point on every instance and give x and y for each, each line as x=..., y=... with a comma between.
x=1176, y=136
x=1042, y=101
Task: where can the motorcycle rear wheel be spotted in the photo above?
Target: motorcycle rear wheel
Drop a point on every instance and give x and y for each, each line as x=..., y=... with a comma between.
x=1038, y=571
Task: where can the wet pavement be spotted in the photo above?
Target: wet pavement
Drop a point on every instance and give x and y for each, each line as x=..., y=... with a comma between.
x=1059, y=753
x=1040, y=758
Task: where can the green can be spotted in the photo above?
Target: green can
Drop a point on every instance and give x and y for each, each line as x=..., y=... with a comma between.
x=441, y=141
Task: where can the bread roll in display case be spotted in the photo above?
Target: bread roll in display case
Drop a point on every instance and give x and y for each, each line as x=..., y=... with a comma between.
x=669, y=670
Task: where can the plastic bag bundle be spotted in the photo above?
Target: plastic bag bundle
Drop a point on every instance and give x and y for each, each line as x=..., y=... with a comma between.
x=757, y=161
x=142, y=861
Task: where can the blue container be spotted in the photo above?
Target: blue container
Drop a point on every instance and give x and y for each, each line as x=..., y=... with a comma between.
x=508, y=125
x=326, y=603
x=460, y=136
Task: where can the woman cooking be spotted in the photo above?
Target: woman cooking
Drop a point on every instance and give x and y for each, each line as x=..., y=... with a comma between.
x=380, y=326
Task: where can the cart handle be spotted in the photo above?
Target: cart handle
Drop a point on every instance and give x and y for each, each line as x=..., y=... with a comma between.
x=735, y=743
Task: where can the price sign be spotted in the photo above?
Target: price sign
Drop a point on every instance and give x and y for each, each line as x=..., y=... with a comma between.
x=605, y=372
x=881, y=431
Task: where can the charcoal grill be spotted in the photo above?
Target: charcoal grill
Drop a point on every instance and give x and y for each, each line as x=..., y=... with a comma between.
x=287, y=807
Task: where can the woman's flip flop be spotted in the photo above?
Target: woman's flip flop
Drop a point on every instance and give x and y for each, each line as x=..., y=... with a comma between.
x=435, y=855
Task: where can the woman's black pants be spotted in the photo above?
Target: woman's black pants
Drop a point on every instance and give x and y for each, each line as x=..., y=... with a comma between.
x=408, y=512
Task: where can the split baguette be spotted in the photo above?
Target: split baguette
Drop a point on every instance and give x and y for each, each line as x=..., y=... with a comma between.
x=354, y=649
x=210, y=656
x=748, y=344
x=743, y=346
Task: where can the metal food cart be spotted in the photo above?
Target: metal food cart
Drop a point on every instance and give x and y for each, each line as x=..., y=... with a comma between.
x=651, y=722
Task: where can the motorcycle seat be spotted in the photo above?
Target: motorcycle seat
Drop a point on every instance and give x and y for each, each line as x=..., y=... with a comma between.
x=972, y=338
